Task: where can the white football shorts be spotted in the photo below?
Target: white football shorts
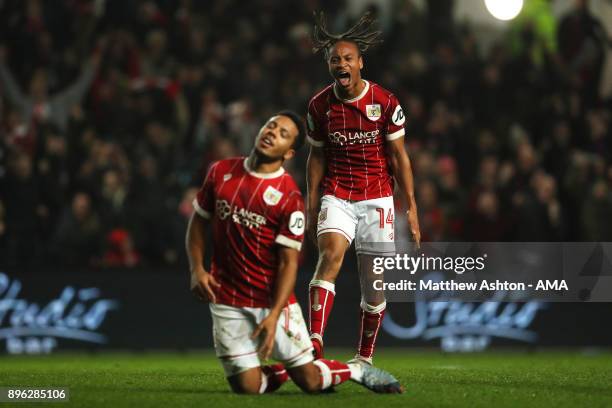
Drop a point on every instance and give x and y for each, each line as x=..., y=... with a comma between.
x=369, y=222
x=232, y=330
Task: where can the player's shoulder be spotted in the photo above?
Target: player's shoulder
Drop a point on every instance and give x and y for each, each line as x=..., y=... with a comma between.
x=290, y=191
x=289, y=185
x=322, y=95
x=225, y=166
x=380, y=91
x=229, y=163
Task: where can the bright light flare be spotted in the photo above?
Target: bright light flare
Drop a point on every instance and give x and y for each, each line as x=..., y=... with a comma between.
x=504, y=9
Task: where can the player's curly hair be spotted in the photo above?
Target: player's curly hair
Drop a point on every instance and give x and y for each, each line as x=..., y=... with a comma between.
x=363, y=34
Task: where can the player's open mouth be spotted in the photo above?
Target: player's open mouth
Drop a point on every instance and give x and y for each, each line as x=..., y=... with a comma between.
x=266, y=142
x=343, y=78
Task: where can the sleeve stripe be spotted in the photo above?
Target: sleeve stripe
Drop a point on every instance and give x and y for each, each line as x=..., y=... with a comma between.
x=315, y=143
x=388, y=103
x=314, y=106
x=201, y=212
x=396, y=135
x=288, y=242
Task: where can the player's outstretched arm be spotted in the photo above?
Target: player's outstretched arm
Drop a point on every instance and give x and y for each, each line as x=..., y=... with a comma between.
x=202, y=282
x=285, y=283
x=402, y=171
x=315, y=168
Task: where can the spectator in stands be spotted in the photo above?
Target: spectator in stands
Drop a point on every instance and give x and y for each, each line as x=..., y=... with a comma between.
x=78, y=241
x=582, y=43
x=486, y=223
x=26, y=211
x=596, y=212
x=37, y=106
x=432, y=218
x=120, y=251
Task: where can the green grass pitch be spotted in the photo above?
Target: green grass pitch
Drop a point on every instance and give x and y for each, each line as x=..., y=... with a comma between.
x=431, y=379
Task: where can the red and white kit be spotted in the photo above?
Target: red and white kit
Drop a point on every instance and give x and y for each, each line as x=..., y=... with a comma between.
x=251, y=214
x=357, y=200
x=358, y=186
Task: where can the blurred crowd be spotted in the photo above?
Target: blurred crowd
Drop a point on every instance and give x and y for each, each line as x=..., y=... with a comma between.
x=111, y=111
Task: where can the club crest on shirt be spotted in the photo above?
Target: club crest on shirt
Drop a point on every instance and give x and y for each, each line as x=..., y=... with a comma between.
x=272, y=196
x=373, y=111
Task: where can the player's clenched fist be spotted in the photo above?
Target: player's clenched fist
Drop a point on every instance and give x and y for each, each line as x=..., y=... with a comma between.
x=203, y=285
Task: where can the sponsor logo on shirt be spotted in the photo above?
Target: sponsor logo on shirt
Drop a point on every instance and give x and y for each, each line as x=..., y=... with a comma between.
x=352, y=138
x=240, y=216
x=398, y=117
x=222, y=209
x=297, y=223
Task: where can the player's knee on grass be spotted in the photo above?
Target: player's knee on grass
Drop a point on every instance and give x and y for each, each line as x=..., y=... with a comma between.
x=247, y=382
x=306, y=377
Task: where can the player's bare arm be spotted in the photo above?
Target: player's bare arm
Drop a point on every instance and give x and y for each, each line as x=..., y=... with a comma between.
x=315, y=173
x=285, y=283
x=202, y=282
x=402, y=171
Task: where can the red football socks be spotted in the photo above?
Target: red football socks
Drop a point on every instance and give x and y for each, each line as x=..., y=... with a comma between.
x=321, y=302
x=332, y=372
x=371, y=319
x=273, y=376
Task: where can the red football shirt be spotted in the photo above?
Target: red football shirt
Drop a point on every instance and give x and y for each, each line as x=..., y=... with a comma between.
x=353, y=134
x=251, y=214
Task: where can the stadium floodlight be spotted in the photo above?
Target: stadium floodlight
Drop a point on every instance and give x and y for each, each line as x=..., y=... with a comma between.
x=504, y=9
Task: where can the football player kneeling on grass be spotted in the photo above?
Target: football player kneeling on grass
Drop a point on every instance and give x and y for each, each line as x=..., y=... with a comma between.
x=256, y=213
